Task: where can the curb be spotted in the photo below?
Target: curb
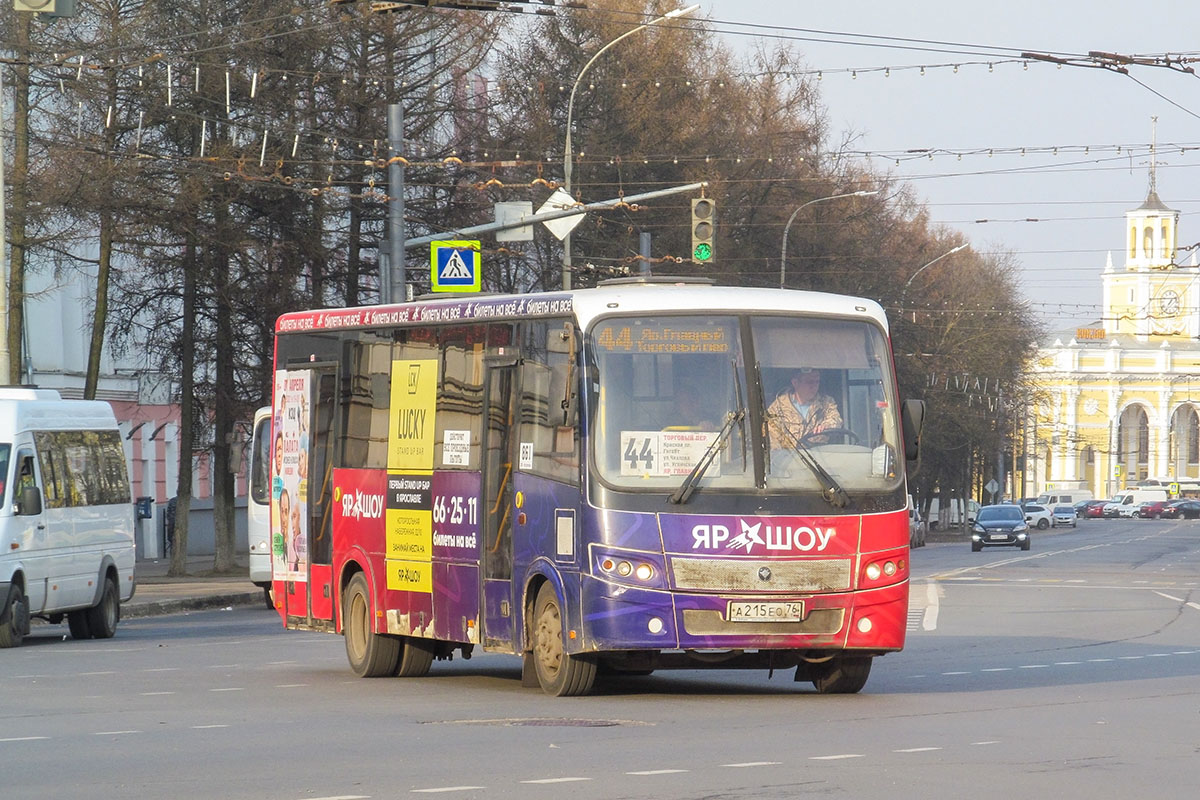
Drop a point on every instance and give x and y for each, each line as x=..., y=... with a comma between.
x=156, y=608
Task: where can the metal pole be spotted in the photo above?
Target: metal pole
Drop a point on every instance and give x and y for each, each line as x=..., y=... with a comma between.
x=530, y=219
x=398, y=286
x=5, y=355
x=644, y=251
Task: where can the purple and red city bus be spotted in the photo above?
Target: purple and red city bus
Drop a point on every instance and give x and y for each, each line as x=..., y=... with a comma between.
x=601, y=479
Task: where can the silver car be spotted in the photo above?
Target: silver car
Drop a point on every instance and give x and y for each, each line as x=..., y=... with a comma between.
x=1065, y=515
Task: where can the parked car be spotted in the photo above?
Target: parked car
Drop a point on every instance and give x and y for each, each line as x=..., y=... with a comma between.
x=916, y=530
x=1064, y=515
x=1182, y=509
x=1000, y=525
x=1038, y=516
x=1093, y=509
x=1152, y=509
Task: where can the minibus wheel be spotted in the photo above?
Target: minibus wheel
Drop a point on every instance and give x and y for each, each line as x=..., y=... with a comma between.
x=559, y=673
x=77, y=621
x=371, y=655
x=14, y=620
x=103, y=617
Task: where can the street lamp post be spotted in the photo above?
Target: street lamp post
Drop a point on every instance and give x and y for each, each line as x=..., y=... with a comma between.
x=951, y=252
x=792, y=218
x=679, y=12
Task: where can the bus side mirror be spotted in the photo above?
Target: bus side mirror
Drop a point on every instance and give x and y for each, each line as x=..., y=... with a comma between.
x=29, y=502
x=912, y=420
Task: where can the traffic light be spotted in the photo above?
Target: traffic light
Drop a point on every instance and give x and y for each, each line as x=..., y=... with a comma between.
x=704, y=230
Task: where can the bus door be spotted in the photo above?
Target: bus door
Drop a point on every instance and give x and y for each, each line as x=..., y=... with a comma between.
x=306, y=411
x=498, y=461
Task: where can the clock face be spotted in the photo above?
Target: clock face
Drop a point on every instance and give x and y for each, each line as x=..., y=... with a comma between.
x=1168, y=302
x=1091, y=406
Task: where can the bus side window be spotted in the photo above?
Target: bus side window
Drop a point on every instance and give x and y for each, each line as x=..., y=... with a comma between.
x=546, y=369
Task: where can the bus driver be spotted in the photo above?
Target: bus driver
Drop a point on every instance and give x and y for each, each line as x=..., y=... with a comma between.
x=802, y=411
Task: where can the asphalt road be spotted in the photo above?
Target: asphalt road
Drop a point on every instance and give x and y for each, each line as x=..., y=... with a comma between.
x=1070, y=670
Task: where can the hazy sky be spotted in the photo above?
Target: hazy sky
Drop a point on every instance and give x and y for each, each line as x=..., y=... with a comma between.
x=1077, y=196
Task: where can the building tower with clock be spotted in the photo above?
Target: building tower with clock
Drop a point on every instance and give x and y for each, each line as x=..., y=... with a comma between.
x=1118, y=402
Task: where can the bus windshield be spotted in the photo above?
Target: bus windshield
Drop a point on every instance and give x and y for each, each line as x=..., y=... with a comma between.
x=804, y=396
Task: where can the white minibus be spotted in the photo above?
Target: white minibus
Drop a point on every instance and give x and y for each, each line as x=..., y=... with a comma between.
x=258, y=507
x=66, y=515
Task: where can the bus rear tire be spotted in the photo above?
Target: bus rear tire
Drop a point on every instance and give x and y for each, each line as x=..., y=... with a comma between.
x=416, y=656
x=844, y=675
x=371, y=655
x=103, y=617
x=559, y=673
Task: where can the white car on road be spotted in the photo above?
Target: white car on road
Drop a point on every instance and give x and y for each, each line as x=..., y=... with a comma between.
x=1038, y=517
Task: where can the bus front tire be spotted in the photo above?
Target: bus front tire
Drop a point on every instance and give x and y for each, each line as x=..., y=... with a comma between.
x=103, y=617
x=371, y=655
x=843, y=675
x=559, y=673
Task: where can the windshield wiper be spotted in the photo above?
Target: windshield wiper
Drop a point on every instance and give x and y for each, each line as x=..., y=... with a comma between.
x=831, y=490
x=688, y=486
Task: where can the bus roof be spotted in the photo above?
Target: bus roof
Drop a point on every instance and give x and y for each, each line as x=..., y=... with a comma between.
x=631, y=296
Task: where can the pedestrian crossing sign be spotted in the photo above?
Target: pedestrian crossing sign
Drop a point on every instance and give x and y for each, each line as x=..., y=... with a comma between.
x=455, y=266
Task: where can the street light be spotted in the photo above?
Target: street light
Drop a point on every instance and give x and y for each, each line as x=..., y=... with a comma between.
x=679, y=12
x=951, y=252
x=792, y=218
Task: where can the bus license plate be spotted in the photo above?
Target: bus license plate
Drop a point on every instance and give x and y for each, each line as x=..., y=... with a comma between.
x=765, y=612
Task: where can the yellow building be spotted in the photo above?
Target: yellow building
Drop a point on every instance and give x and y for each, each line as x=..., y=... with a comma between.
x=1118, y=401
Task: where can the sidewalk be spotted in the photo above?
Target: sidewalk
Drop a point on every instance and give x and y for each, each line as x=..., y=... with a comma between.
x=200, y=588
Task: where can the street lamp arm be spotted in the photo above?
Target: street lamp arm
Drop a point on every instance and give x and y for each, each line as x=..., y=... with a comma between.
x=567, y=156
x=927, y=266
x=679, y=12
x=792, y=218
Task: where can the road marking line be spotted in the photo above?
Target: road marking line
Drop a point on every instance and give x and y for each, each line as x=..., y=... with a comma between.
x=557, y=780
x=1033, y=666
x=344, y=797
x=956, y=673
x=916, y=750
x=25, y=739
x=449, y=789
x=90, y=674
x=230, y=689
x=657, y=772
x=1066, y=663
x=154, y=694
x=206, y=727
x=997, y=669
x=754, y=764
x=980, y=744
x=835, y=758
x=289, y=685
x=113, y=733
x=162, y=669
x=929, y=621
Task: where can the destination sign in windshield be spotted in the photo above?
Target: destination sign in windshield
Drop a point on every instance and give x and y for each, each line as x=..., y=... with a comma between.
x=664, y=337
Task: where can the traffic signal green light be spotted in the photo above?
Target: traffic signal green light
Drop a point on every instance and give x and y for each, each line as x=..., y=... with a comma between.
x=704, y=230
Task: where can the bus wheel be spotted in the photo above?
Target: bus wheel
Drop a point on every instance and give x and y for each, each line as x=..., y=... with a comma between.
x=843, y=675
x=77, y=621
x=416, y=656
x=103, y=617
x=371, y=655
x=14, y=618
x=559, y=673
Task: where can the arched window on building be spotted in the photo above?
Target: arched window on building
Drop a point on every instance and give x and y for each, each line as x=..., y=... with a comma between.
x=1133, y=443
x=1148, y=242
x=1132, y=242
